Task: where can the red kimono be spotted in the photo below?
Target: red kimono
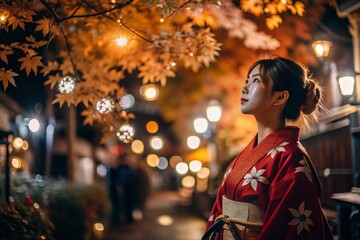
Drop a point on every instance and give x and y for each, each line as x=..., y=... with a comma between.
x=282, y=182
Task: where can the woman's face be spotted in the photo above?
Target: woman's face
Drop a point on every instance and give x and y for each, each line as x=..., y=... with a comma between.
x=257, y=97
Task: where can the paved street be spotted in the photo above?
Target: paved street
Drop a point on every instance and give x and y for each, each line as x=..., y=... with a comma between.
x=178, y=223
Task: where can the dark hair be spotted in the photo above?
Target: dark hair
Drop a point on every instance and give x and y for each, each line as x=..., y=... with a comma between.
x=304, y=92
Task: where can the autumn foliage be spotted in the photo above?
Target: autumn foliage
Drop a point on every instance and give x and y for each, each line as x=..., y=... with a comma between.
x=78, y=38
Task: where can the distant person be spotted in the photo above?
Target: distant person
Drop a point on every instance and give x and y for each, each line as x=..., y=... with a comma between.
x=271, y=189
x=126, y=187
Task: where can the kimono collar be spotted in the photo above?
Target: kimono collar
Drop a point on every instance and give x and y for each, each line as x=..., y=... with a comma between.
x=288, y=133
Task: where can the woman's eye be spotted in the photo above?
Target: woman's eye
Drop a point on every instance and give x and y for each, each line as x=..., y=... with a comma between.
x=247, y=81
x=256, y=80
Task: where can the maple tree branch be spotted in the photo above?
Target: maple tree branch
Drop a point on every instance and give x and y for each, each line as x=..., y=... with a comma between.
x=68, y=50
x=51, y=10
x=77, y=9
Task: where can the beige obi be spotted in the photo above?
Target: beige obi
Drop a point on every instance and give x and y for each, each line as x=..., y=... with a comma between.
x=248, y=219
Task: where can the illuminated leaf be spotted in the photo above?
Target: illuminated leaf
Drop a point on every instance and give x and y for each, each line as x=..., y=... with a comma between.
x=43, y=25
x=53, y=80
x=15, y=22
x=30, y=64
x=7, y=76
x=273, y=22
x=4, y=54
x=300, y=8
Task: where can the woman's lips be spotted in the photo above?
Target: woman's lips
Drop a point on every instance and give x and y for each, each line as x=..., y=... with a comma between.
x=243, y=100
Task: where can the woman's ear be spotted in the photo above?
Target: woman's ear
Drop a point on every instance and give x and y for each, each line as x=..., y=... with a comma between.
x=281, y=97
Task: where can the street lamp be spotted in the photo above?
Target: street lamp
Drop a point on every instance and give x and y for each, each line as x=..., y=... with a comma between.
x=321, y=48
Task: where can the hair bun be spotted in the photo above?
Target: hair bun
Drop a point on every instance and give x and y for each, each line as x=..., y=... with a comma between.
x=312, y=96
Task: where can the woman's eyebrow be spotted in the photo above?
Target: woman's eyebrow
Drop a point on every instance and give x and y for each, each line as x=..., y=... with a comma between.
x=255, y=75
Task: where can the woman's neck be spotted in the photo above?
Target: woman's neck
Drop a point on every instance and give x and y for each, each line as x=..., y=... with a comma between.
x=265, y=128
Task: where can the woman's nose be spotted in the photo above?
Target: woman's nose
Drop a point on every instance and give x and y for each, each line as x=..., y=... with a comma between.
x=243, y=90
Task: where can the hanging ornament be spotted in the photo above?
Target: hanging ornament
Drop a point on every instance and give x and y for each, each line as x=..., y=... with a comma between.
x=105, y=105
x=125, y=133
x=66, y=84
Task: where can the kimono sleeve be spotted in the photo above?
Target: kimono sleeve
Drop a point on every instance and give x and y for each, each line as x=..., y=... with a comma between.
x=294, y=210
x=216, y=208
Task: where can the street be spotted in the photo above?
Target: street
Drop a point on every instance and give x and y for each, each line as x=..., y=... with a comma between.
x=166, y=216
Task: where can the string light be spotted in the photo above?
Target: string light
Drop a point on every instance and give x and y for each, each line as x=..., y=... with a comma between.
x=122, y=41
x=125, y=133
x=4, y=15
x=105, y=105
x=66, y=84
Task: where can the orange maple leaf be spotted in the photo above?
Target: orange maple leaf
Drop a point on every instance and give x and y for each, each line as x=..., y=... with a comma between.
x=53, y=80
x=43, y=25
x=14, y=22
x=7, y=76
x=273, y=21
x=4, y=54
x=300, y=8
x=30, y=64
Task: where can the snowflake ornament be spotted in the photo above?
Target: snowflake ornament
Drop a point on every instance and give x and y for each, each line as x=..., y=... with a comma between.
x=105, y=105
x=66, y=84
x=125, y=133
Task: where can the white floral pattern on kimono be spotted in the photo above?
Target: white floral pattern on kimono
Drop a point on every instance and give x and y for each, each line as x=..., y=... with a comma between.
x=279, y=148
x=253, y=177
x=305, y=169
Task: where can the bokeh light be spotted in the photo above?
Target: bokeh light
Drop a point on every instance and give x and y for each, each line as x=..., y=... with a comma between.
x=137, y=146
x=193, y=142
x=152, y=127
x=181, y=168
x=156, y=143
x=195, y=165
x=188, y=182
x=152, y=160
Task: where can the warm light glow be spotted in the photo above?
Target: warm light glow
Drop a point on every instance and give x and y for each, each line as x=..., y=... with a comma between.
x=150, y=92
x=66, y=84
x=18, y=142
x=347, y=85
x=152, y=127
x=161, y=20
x=193, y=142
x=156, y=143
x=122, y=41
x=213, y=111
x=163, y=163
x=321, y=48
x=16, y=162
x=175, y=160
x=127, y=101
x=152, y=160
x=4, y=15
x=34, y=125
x=165, y=220
x=203, y=173
x=181, y=168
x=25, y=145
x=201, y=125
x=195, y=165
x=43, y=237
x=105, y=105
x=137, y=146
x=98, y=227
x=36, y=205
x=188, y=182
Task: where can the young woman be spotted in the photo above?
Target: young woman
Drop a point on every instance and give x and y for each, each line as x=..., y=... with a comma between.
x=271, y=189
